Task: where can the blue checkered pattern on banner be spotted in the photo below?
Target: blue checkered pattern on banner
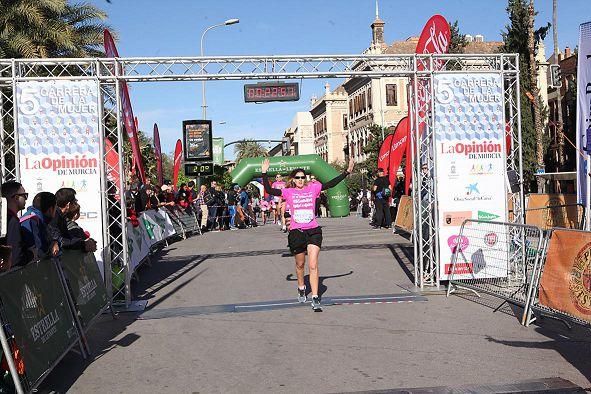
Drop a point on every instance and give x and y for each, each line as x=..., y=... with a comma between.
x=461, y=119
x=47, y=131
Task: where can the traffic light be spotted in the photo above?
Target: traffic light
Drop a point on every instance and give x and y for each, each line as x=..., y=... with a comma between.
x=555, y=76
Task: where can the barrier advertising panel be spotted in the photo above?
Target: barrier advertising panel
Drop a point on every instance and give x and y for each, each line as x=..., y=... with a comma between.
x=565, y=285
x=470, y=164
x=553, y=210
x=86, y=284
x=59, y=145
x=38, y=313
x=404, y=216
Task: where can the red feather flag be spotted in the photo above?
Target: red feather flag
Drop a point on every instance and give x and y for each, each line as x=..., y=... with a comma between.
x=128, y=118
x=178, y=154
x=384, y=155
x=435, y=38
x=398, y=146
x=158, y=155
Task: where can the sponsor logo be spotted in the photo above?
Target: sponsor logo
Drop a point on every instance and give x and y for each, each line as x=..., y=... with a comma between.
x=473, y=150
x=580, y=281
x=487, y=217
x=482, y=169
x=42, y=325
x=76, y=165
x=456, y=218
x=459, y=269
x=491, y=239
x=453, y=171
x=472, y=188
x=456, y=241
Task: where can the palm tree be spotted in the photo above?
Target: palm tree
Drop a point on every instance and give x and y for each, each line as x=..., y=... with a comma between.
x=249, y=148
x=50, y=28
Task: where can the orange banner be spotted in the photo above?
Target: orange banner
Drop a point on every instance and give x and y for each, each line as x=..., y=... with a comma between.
x=404, y=217
x=566, y=281
x=553, y=210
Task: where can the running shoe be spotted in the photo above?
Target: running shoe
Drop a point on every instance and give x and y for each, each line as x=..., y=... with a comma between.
x=284, y=229
x=302, y=295
x=316, y=305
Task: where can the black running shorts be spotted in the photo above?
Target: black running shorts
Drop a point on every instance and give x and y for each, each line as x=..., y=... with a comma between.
x=298, y=240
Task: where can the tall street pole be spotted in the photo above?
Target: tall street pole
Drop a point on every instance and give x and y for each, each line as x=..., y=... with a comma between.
x=203, y=102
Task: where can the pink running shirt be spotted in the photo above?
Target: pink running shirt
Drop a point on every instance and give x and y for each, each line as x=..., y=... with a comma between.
x=278, y=185
x=302, y=205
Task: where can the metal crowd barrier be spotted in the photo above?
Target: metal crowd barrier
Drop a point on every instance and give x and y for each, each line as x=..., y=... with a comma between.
x=497, y=259
x=45, y=309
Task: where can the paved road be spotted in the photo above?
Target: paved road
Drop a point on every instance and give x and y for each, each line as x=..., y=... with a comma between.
x=192, y=338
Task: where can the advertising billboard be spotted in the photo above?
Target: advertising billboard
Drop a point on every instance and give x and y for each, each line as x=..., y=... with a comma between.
x=59, y=145
x=197, y=138
x=470, y=159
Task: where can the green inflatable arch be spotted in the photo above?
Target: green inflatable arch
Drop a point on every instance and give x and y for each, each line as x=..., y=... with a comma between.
x=338, y=197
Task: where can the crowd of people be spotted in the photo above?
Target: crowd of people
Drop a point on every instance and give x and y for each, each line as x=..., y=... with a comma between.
x=45, y=228
x=379, y=203
x=217, y=208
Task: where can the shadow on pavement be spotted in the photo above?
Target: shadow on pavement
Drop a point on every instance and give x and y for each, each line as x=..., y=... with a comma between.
x=321, y=286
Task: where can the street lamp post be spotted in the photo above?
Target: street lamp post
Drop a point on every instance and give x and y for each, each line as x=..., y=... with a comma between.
x=226, y=23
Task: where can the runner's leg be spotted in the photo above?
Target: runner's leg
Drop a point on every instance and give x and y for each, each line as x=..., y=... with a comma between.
x=300, y=262
x=313, y=252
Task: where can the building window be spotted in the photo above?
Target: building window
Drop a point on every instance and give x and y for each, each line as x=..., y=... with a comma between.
x=391, y=95
x=369, y=98
x=345, y=122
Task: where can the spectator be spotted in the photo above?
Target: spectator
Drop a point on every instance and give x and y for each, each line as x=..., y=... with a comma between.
x=381, y=190
x=16, y=198
x=165, y=197
x=74, y=230
x=212, y=205
x=34, y=225
x=152, y=199
x=182, y=198
x=232, y=196
x=66, y=198
x=202, y=198
x=222, y=211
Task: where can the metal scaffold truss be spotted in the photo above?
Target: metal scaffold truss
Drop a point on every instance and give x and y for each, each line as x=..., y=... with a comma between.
x=419, y=69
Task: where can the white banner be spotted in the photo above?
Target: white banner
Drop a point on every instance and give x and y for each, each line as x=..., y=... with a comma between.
x=470, y=165
x=58, y=138
x=583, y=110
x=154, y=226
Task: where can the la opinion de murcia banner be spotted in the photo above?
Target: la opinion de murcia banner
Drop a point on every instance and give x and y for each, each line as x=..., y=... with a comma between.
x=470, y=167
x=583, y=108
x=58, y=136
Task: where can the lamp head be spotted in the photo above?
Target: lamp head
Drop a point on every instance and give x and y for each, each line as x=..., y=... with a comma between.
x=231, y=21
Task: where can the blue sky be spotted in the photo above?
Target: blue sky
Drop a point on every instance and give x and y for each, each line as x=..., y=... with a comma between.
x=174, y=28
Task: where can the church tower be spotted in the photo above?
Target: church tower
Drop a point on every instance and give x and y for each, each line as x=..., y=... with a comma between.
x=377, y=30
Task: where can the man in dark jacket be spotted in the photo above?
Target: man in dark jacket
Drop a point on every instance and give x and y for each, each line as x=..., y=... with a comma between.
x=16, y=199
x=381, y=200
x=65, y=199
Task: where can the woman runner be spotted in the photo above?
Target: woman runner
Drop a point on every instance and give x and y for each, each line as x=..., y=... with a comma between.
x=304, y=232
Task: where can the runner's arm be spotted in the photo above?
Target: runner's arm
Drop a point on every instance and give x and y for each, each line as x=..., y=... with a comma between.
x=334, y=181
x=270, y=190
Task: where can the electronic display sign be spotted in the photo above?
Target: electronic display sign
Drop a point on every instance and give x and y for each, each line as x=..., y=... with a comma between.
x=197, y=136
x=271, y=91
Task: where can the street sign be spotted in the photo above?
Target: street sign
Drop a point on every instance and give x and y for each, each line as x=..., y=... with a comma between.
x=198, y=169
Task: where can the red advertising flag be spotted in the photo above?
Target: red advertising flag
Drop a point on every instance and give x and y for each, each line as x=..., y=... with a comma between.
x=384, y=155
x=128, y=118
x=397, y=149
x=434, y=39
x=112, y=160
x=178, y=154
x=158, y=155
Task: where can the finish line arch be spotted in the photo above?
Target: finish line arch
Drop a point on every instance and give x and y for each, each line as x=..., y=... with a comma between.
x=338, y=196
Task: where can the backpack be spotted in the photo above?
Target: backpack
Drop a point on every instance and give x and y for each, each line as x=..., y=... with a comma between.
x=387, y=192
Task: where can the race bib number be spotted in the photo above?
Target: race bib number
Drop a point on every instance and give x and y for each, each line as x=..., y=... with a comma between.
x=303, y=215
